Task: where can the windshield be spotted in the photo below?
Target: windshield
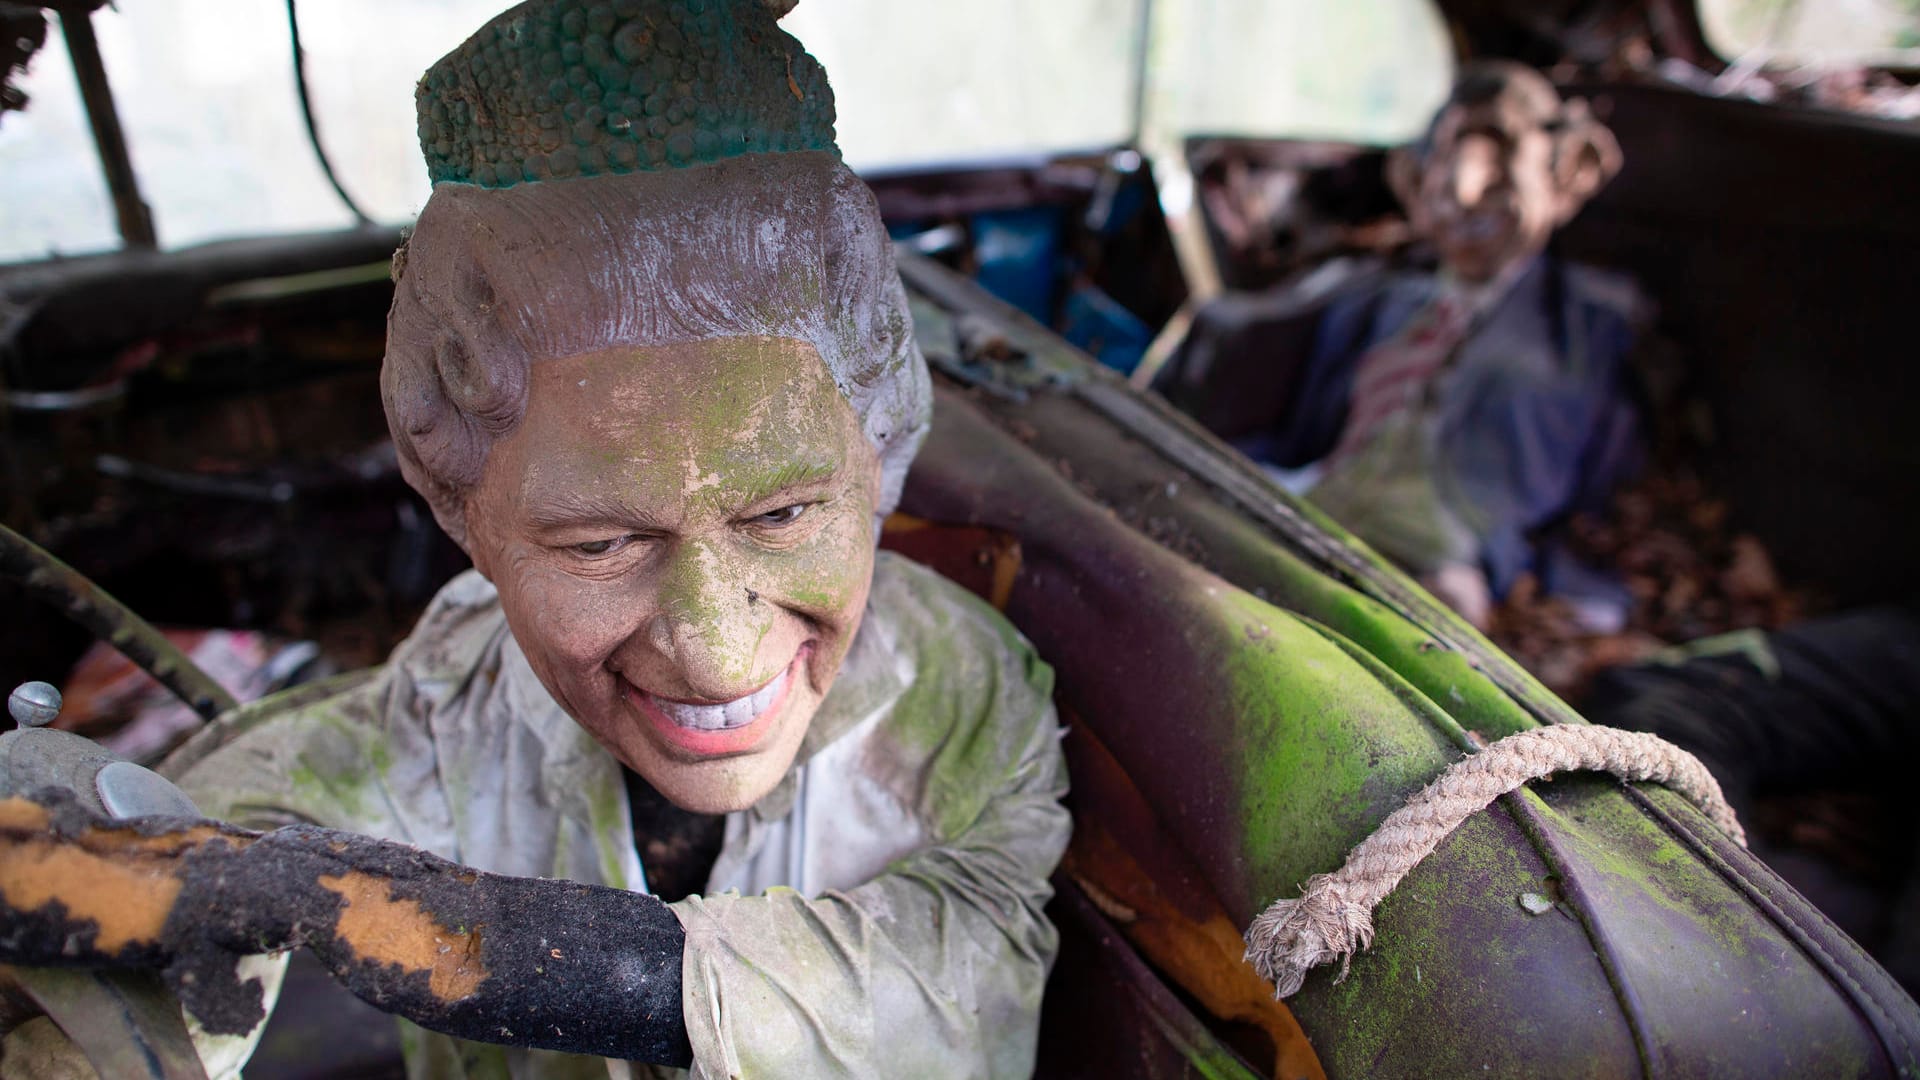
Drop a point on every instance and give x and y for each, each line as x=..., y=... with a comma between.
x=934, y=80
x=52, y=198
x=1362, y=71
x=205, y=91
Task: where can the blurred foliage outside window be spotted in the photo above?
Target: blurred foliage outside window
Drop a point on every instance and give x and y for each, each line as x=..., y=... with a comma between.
x=206, y=95
x=1815, y=33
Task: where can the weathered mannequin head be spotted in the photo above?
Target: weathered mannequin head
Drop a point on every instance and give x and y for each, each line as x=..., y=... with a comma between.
x=658, y=378
x=1503, y=165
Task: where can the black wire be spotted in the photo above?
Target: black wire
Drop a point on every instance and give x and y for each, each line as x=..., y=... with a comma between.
x=306, y=109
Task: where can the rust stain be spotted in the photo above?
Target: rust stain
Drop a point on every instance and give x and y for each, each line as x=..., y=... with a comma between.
x=1102, y=899
x=19, y=818
x=985, y=562
x=899, y=523
x=383, y=930
x=1006, y=570
x=1205, y=958
x=22, y=814
x=126, y=888
x=1182, y=930
x=791, y=84
x=162, y=845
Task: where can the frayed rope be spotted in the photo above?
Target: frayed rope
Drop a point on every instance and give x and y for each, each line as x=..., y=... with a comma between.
x=1333, y=917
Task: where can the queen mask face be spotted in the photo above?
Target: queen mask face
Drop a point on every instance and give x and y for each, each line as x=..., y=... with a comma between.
x=650, y=363
x=682, y=538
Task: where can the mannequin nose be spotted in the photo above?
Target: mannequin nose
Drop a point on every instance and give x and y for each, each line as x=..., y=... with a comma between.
x=707, y=626
x=660, y=636
x=1476, y=170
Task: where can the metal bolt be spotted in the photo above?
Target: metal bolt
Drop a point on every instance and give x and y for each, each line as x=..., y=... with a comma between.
x=34, y=704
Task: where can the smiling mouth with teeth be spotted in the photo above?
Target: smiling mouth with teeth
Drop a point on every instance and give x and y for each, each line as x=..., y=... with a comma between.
x=725, y=727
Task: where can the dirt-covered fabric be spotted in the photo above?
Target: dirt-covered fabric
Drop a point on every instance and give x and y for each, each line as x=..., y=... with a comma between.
x=877, y=914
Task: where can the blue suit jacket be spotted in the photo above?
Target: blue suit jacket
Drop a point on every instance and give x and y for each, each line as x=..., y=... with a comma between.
x=1537, y=418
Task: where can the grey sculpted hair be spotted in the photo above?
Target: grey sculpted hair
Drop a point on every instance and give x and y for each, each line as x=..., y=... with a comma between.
x=764, y=245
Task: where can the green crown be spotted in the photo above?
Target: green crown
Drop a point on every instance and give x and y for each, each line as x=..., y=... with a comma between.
x=561, y=88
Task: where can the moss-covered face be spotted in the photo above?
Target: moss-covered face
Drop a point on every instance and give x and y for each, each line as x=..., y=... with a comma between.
x=682, y=537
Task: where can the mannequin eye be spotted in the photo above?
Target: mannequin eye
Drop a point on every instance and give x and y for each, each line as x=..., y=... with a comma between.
x=786, y=515
x=601, y=547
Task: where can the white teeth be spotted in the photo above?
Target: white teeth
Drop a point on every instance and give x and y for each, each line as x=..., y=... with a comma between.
x=736, y=713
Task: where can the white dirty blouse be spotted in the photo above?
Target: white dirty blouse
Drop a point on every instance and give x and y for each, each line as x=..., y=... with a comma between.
x=877, y=914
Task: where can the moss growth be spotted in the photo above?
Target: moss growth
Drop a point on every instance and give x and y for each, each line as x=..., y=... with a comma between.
x=1323, y=741
x=970, y=672
x=1461, y=979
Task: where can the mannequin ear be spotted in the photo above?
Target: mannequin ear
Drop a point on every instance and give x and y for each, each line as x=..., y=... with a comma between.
x=1403, y=176
x=1586, y=156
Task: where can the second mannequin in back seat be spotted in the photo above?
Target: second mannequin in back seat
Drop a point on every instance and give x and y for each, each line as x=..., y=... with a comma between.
x=1444, y=416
